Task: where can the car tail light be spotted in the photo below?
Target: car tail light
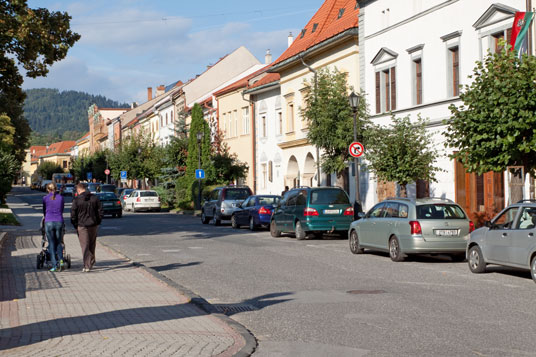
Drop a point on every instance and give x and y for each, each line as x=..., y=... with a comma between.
x=125, y=197
x=118, y=203
x=415, y=227
x=310, y=212
x=471, y=226
x=264, y=210
x=222, y=210
x=349, y=211
x=138, y=199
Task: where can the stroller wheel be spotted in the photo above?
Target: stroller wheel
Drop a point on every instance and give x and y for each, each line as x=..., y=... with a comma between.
x=68, y=260
x=38, y=262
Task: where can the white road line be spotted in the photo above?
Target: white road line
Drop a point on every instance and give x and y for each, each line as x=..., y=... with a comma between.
x=196, y=247
x=170, y=250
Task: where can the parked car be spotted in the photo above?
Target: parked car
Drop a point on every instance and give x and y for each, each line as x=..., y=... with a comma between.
x=143, y=200
x=509, y=240
x=255, y=211
x=44, y=184
x=222, y=202
x=69, y=189
x=312, y=211
x=403, y=226
x=107, y=188
x=124, y=194
x=110, y=204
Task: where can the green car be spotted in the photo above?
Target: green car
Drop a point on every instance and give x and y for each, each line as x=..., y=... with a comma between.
x=110, y=204
x=312, y=211
x=403, y=226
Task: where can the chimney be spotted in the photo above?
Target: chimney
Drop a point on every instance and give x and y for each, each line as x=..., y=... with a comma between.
x=149, y=93
x=268, y=57
x=290, y=39
x=160, y=90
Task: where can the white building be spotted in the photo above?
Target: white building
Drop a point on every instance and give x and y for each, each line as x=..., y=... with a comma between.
x=413, y=57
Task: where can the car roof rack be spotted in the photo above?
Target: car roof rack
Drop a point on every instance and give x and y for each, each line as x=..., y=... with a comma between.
x=401, y=198
x=438, y=198
x=521, y=201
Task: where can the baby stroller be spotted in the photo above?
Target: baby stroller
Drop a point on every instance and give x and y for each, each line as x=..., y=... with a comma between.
x=43, y=258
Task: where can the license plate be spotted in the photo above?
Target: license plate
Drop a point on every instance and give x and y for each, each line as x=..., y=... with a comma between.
x=106, y=204
x=149, y=200
x=331, y=211
x=446, y=232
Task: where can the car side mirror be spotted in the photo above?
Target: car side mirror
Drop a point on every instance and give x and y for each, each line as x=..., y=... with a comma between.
x=361, y=215
x=488, y=224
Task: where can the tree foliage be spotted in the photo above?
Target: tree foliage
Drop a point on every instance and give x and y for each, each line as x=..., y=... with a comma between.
x=33, y=39
x=9, y=168
x=7, y=132
x=47, y=168
x=495, y=126
x=330, y=118
x=401, y=152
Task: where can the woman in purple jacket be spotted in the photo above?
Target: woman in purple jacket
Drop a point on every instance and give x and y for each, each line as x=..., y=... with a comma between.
x=53, y=210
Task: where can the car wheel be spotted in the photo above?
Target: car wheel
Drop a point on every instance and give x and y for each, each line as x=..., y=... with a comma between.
x=394, y=250
x=120, y=214
x=476, y=261
x=68, y=260
x=204, y=218
x=299, y=232
x=215, y=220
x=355, y=247
x=273, y=230
x=132, y=208
x=533, y=268
x=233, y=222
x=252, y=225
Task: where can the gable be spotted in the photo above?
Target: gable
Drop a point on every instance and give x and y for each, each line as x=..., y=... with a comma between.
x=494, y=14
x=384, y=55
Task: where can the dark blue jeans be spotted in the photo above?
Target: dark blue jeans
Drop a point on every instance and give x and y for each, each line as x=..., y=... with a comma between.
x=53, y=230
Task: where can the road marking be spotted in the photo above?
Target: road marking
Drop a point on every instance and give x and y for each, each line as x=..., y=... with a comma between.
x=196, y=247
x=142, y=254
x=170, y=250
x=112, y=228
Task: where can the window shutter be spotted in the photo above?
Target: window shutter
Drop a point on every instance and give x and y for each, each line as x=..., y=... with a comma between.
x=378, y=95
x=393, y=88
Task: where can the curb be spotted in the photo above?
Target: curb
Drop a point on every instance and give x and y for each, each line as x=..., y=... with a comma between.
x=251, y=341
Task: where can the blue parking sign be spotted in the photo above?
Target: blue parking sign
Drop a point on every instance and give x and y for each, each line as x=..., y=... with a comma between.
x=199, y=174
x=89, y=176
x=123, y=175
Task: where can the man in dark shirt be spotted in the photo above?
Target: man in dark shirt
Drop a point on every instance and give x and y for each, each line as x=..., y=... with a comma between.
x=86, y=216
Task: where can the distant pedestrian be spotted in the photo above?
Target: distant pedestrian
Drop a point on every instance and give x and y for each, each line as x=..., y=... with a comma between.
x=286, y=190
x=86, y=216
x=53, y=205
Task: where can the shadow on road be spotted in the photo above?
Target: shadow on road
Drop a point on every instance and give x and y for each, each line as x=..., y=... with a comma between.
x=173, y=266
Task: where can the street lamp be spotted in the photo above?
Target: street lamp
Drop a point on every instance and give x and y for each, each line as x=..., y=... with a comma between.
x=199, y=138
x=354, y=100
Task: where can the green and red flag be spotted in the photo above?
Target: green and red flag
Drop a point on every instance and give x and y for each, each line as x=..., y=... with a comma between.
x=520, y=28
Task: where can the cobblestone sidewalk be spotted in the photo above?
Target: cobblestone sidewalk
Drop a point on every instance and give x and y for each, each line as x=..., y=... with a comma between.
x=117, y=309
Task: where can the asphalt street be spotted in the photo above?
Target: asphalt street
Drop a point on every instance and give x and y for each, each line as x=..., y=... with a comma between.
x=315, y=298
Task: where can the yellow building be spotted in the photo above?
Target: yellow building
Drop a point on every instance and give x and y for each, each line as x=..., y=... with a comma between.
x=58, y=153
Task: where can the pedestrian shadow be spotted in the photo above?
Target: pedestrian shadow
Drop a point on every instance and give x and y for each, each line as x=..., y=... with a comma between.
x=173, y=266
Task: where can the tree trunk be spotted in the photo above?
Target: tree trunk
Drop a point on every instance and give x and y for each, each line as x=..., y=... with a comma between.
x=403, y=190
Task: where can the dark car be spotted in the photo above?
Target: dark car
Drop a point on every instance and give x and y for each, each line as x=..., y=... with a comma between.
x=110, y=204
x=107, y=188
x=93, y=187
x=255, y=211
x=69, y=189
x=222, y=202
x=312, y=211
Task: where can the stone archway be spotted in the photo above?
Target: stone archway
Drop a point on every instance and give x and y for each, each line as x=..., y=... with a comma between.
x=292, y=178
x=309, y=170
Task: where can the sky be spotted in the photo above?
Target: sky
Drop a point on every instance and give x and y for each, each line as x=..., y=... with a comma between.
x=129, y=45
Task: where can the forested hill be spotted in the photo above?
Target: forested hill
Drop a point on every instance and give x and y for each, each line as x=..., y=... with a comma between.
x=55, y=115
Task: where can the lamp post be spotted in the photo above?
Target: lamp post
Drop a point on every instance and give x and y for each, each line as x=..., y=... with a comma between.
x=199, y=138
x=354, y=100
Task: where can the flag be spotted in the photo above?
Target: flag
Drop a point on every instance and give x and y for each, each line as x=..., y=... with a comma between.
x=520, y=28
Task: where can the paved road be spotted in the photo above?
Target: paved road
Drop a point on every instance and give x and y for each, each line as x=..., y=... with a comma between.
x=294, y=295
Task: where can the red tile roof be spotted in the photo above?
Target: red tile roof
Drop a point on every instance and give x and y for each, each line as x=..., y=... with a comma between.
x=269, y=78
x=243, y=82
x=62, y=147
x=36, y=151
x=328, y=24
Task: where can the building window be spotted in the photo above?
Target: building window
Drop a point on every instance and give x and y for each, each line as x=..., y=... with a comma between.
x=270, y=171
x=290, y=118
x=172, y=117
x=64, y=164
x=224, y=126
x=497, y=38
x=264, y=175
x=167, y=119
x=245, y=120
x=454, y=71
x=386, y=90
x=235, y=116
x=280, y=123
x=417, y=65
x=263, y=123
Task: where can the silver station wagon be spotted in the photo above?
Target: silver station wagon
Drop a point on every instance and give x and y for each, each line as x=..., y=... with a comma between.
x=403, y=226
x=509, y=240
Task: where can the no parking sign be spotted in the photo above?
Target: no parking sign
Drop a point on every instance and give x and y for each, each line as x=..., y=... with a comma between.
x=356, y=149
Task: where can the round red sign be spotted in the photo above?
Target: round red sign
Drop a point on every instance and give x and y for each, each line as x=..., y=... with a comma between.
x=107, y=172
x=356, y=149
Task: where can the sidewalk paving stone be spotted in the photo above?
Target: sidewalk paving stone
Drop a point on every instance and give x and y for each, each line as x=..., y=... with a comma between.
x=117, y=309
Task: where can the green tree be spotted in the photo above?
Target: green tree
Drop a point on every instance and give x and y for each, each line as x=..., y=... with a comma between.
x=494, y=127
x=7, y=131
x=227, y=167
x=330, y=118
x=9, y=170
x=33, y=39
x=401, y=152
x=47, y=168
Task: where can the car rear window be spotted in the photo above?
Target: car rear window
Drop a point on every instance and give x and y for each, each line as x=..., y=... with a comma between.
x=106, y=196
x=107, y=188
x=148, y=194
x=236, y=194
x=93, y=186
x=329, y=197
x=440, y=211
x=268, y=200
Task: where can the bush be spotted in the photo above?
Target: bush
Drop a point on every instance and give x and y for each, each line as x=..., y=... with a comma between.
x=166, y=194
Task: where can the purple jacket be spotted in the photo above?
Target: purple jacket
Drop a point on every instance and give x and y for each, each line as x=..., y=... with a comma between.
x=53, y=209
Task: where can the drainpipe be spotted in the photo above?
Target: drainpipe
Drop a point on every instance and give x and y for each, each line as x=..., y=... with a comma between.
x=529, y=39
x=318, y=181
x=253, y=138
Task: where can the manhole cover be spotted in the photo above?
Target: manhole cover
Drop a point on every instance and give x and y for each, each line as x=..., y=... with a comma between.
x=366, y=292
x=227, y=309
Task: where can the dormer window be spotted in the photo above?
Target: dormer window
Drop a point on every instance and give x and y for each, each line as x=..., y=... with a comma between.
x=303, y=33
x=341, y=12
x=314, y=27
